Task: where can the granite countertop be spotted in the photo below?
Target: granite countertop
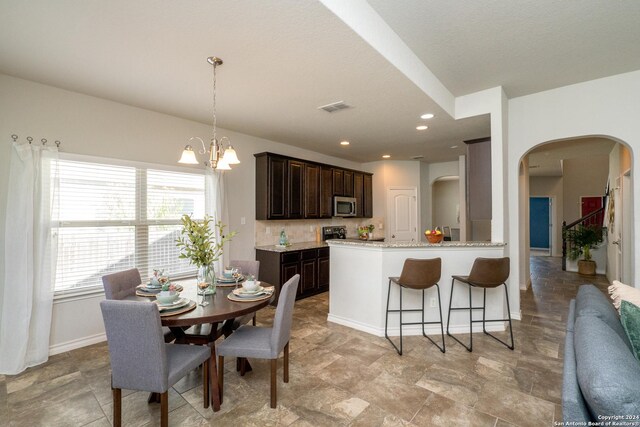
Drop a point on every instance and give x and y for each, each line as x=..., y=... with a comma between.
x=370, y=244
x=293, y=247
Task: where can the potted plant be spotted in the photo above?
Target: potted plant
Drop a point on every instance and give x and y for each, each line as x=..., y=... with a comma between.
x=581, y=241
x=370, y=229
x=198, y=244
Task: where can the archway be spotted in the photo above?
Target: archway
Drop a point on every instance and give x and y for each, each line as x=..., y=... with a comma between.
x=569, y=171
x=445, y=205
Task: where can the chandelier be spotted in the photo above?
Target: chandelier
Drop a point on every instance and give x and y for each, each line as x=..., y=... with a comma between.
x=219, y=157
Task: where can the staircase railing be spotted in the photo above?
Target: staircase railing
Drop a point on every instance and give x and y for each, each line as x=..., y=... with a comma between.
x=570, y=228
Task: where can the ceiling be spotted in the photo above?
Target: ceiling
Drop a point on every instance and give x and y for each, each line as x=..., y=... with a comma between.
x=285, y=58
x=546, y=160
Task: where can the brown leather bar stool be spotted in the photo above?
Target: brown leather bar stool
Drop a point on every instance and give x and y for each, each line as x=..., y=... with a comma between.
x=418, y=274
x=486, y=273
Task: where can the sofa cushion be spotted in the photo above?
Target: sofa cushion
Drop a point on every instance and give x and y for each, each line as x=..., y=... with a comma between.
x=608, y=372
x=620, y=292
x=630, y=319
x=574, y=408
x=592, y=302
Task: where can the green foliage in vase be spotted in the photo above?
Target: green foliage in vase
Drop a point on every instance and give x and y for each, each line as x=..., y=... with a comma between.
x=582, y=239
x=198, y=243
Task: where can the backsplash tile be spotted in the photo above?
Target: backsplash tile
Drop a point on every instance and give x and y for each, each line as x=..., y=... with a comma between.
x=304, y=230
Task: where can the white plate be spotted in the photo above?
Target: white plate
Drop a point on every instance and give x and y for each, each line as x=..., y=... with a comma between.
x=180, y=302
x=243, y=293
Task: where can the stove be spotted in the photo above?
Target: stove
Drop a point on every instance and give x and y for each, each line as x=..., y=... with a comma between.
x=334, y=232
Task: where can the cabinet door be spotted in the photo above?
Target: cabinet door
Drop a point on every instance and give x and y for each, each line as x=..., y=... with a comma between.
x=323, y=273
x=277, y=189
x=326, y=192
x=288, y=270
x=311, y=191
x=348, y=184
x=338, y=182
x=367, y=204
x=358, y=182
x=295, y=188
x=308, y=280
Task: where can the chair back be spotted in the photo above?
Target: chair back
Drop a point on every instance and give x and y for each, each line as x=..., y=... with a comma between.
x=420, y=273
x=121, y=284
x=248, y=267
x=489, y=272
x=284, y=314
x=136, y=345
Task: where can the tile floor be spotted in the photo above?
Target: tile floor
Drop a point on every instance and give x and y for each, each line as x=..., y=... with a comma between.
x=339, y=376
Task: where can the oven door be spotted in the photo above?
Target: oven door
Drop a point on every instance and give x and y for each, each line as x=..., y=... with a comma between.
x=344, y=206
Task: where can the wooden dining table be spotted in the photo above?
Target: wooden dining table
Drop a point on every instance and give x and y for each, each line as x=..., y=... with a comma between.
x=220, y=313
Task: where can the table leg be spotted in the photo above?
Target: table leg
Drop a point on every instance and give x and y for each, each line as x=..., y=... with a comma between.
x=214, y=386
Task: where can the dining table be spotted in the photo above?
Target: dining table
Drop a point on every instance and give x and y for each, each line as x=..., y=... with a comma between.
x=203, y=324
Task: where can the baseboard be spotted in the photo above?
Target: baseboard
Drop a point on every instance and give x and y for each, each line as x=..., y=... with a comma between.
x=77, y=343
x=414, y=329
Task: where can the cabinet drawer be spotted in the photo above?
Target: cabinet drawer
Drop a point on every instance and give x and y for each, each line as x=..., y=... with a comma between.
x=309, y=254
x=323, y=252
x=288, y=257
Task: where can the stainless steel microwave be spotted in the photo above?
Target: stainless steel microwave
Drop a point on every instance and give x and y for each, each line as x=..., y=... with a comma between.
x=344, y=206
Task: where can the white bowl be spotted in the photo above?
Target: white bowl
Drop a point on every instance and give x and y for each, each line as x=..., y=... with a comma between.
x=250, y=286
x=166, y=297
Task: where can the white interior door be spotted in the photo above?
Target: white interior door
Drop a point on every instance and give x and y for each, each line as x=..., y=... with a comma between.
x=626, y=233
x=403, y=214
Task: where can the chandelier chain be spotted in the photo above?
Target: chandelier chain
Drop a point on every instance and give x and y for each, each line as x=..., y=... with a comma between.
x=214, y=102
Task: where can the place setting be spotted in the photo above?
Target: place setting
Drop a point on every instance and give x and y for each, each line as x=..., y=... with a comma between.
x=155, y=285
x=231, y=276
x=251, y=290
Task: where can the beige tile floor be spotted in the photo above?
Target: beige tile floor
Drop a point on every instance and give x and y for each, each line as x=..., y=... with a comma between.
x=339, y=376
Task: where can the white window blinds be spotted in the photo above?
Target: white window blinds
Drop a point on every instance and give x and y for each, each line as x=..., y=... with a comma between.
x=113, y=217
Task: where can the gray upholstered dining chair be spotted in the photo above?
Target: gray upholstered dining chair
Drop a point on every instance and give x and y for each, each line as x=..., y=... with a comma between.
x=122, y=284
x=264, y=343
x=251, y=267
x=141, y=360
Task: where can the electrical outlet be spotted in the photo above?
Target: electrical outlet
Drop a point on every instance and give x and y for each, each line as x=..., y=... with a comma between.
x=312, y=228
x=433, y=302
x=267, y=230
x=380, y=226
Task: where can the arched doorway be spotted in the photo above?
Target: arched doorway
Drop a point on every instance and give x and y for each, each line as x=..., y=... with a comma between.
x=572, y=173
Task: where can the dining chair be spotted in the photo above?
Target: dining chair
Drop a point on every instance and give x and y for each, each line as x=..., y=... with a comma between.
x=262, y=342
x=121, y=285
x=486, y=273
x=251, y=267
x=141, y=360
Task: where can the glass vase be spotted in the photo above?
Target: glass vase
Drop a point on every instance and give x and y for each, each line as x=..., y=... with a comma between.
x=207, y=274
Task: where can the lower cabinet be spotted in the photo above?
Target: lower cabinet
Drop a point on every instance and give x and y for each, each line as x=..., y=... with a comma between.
x=311, y=264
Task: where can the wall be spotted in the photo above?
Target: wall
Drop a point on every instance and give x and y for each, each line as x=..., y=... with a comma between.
x=583, y=176
x=445, y=202
x=429, y=172
x=619, y=163
x=551, y=186
x=606, y=107
x=97, y=127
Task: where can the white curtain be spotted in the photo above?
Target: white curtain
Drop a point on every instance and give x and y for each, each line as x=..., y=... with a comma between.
x=26, y=291
x=216, y=206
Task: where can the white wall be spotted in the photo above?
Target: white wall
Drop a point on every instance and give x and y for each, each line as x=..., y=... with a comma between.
x=445, y=202
x=429, y=172
x=603, y=107
x=98, y=127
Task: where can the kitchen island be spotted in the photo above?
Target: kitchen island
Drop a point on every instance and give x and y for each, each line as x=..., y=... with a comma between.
x=359, y=278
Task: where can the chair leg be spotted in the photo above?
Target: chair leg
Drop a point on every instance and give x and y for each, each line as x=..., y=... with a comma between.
x=221, y=376
x=441, y=348
x=470, y=347
x=512, y=345
x=253, y=321
x=214, y=384
x=117, y=407
x=386, y=320
x=164, y=409
x=274, y=370
x=285, y=367
x=484, y=309
x=205, y=382
x=243, y=366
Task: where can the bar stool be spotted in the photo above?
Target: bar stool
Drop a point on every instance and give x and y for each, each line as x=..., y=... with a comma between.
x=485, y=273
x=418, y=274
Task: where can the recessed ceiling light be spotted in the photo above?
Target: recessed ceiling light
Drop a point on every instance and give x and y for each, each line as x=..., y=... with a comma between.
x=454, y=146
x=386, y=156
x=422, y=127
x=344, y=142
x=427, y=116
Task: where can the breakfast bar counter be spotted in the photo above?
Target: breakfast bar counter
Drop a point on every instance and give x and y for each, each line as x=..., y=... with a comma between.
x=359, y=280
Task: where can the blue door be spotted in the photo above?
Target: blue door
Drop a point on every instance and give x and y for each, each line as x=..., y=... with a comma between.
x=539, y=222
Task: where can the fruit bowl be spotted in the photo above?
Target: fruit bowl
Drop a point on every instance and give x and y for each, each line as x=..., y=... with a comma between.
x=434, y=238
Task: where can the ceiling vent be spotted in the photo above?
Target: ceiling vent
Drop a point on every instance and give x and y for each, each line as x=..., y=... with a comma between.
x=334, y=106
x=417, y=157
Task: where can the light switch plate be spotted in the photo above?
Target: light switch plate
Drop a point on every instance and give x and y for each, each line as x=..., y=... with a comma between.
x=267, y=230
x=243, y=220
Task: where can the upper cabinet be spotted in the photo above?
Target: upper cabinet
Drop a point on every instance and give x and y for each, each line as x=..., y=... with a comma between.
x=289, y=188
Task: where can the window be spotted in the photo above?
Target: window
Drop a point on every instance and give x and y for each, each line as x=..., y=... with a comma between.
x=113, y=217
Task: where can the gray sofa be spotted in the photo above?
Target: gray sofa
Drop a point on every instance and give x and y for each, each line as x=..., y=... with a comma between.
x=601, y=377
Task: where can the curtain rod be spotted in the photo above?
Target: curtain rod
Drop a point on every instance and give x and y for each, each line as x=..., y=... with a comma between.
x=30, y=140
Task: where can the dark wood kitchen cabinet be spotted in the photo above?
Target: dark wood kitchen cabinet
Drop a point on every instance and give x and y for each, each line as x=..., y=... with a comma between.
x=312, y=265
x=289, y=188
x=326, y=192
